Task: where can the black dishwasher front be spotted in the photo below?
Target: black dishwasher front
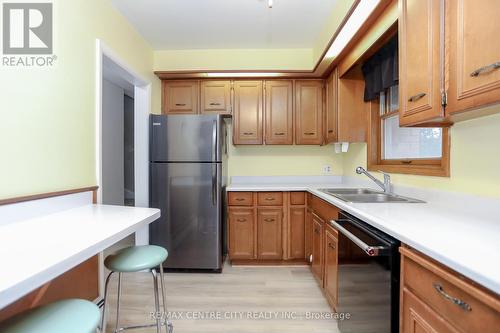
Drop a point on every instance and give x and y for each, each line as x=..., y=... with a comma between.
x=368, y=274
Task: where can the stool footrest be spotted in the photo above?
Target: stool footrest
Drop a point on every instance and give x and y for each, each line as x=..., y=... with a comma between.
x=135, y=327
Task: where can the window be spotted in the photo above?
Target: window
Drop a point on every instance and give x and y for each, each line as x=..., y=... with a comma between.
x=413, y=150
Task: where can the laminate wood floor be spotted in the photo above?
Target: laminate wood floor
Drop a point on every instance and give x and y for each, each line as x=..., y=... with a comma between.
x=239, y=292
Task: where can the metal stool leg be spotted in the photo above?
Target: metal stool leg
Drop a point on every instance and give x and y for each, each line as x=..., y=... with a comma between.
x=168, y=325
x=157, y=301
x=117, y=326
x=103, y=318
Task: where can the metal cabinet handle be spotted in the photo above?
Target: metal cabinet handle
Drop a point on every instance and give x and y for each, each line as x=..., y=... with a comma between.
x=270, y=199
x=486, y=69
x=416, y=97
x=279, y=133
x=331, y=245
x=316, y=231
x=239, y=199
x=248, y=133
x=330, y=131
x=309, y=133
x=180, y=104
x=214, y=103
x=269, y=220
x=241, y=220
x=454, y=300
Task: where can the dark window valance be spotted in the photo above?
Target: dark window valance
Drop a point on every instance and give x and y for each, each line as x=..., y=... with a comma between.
x=381, y=70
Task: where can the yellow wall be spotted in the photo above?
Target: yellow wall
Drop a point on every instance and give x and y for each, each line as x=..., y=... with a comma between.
x=475, y=160
x=281, y=160
x=234, y=59
x=47, y=115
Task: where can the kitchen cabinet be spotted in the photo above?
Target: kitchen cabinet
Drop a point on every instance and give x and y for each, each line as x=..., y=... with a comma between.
x=473, y=54
x=278, y=112
x=351, y=113
x=241, y=233
x=331, y=266
x=317, y=248
x=308, y=235
x=331, y=105
x=437, y=299
x=297, y=238
x=247, y=114
x=180, y=97
x=420, y=74
x=215, y=97
x=309, y=112
x=278, y=229
x=269, y=233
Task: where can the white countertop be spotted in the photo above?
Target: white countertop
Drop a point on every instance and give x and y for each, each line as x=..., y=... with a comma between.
x=34, y=251
x=466, y=239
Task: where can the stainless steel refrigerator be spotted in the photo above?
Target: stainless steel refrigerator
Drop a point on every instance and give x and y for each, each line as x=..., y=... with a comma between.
x=187, y=175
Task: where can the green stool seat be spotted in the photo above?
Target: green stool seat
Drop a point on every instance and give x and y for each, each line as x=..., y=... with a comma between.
x=136, y=258
x=67, y=316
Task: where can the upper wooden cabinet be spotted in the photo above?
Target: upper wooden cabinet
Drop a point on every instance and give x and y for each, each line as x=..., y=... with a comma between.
x=352, y=117
x=309, y=112
x=180, y=97
x=473, y=53
x=279, y=112
x=420, y=61
x=247, y=115
x=331, y=107
x=216, y=97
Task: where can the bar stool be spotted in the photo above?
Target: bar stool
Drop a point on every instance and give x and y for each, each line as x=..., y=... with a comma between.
x=67, y=316
x=136, y=259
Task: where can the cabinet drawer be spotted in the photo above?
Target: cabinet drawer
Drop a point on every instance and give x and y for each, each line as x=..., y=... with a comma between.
x=240, y=198
x=270, y=198
x=297, y=198
x=442, y=290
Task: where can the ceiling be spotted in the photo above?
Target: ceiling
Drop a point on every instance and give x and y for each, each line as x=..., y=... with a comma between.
x=227, y=24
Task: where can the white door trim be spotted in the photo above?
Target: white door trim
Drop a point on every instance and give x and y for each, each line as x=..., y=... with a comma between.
x=142, y=107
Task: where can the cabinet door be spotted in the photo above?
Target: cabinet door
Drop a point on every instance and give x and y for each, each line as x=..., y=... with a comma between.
x=331, y=267
x=297, y=218
x=241, y=233
x=331, y=107
x=317, y=249
x=473, y=54
x=308, y=235
x=269, y=233
x=279, y=113
x=247, y=117
x=216, y=97
x=418, y=317
x=180, y=97
x=420, y=61
x=309, y=112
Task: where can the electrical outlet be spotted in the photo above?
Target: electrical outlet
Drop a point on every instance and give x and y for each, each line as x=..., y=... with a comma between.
x=327, y=169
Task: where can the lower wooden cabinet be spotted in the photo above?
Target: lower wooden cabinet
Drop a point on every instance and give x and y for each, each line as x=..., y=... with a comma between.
x=241, y=233
x=437, y=299
x=296, y=225
x=308, y=235
x=317, y=248
x=331, y=266
x=269, y=244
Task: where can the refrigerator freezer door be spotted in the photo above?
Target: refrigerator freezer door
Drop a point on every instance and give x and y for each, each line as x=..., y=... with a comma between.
x=186, y=138
x=189, y=196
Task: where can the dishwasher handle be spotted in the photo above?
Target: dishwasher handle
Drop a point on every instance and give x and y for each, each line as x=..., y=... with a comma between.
x=372, y=251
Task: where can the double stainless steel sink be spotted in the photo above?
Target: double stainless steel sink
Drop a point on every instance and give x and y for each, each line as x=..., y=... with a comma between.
x=363, y=195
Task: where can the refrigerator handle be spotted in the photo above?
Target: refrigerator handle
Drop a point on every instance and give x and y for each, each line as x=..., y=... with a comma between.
x=214, y=184
x=214, y=141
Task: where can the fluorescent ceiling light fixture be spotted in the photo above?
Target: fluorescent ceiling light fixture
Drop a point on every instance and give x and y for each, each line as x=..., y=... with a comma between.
x=354, y=22
x=242, y=74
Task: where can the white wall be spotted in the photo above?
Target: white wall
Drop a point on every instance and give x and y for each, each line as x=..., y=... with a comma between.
x=113, y=186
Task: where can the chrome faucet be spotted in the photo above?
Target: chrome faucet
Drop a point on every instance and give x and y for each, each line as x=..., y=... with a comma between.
x=386, y=185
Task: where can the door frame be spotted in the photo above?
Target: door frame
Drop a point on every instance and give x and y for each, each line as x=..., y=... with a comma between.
x=142, y=107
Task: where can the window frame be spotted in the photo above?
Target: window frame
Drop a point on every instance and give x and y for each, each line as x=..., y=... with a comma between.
x=439, y=167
